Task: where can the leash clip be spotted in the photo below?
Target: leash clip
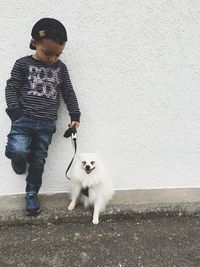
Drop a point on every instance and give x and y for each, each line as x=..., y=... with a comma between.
x=74, y=136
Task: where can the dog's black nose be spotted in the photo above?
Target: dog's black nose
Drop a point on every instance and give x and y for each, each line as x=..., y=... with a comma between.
x=87, y=167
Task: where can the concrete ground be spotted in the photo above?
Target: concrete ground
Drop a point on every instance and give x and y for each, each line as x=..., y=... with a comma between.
x=133, y=231
x=170, y=240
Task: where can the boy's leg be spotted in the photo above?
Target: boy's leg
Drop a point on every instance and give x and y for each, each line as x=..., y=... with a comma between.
x=17, y=148
x=37, y=158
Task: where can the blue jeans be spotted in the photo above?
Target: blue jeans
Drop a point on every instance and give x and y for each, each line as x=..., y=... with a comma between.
x=29, y=139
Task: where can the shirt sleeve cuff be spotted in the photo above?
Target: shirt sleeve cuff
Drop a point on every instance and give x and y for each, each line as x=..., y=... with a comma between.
x=75, y=117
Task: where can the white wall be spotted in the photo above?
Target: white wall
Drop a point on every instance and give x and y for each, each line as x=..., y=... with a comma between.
x=135, y=66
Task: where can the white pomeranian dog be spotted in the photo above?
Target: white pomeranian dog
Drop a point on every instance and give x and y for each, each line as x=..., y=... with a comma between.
x=89, y=176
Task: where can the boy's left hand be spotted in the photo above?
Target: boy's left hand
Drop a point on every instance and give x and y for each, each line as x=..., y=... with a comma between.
x=74, y=124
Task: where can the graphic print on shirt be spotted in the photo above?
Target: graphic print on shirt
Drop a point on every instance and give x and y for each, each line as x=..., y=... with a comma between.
x=43, y=81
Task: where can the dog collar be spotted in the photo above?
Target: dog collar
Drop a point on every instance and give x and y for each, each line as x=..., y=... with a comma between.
x=85, y=191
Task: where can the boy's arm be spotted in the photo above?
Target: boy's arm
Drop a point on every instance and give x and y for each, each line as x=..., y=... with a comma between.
x=12, y=92
x=70, y=99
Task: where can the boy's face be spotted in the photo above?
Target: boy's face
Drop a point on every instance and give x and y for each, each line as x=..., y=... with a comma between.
x=48, y=51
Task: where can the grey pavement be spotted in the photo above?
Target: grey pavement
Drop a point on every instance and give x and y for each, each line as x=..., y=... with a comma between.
x=167, y=240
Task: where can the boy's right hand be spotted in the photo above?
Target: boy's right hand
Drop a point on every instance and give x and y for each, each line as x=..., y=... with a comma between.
x=74, y=124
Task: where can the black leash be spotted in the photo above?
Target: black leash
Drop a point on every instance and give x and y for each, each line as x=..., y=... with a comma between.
x=71, y=132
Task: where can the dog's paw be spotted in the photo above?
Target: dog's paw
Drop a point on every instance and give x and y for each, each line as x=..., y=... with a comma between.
x=95, y=221
x=71, y=206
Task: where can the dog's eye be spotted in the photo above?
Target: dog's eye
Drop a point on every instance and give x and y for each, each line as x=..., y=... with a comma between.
x=83, y=162
x=92, y=162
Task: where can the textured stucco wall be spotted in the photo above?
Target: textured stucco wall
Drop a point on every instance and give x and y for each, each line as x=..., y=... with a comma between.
x=135, y=66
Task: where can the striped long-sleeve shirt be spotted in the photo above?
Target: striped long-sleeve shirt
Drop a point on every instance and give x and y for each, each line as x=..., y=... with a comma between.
x=34, y=89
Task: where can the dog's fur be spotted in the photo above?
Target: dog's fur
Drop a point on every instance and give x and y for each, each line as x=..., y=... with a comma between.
x=88, y=170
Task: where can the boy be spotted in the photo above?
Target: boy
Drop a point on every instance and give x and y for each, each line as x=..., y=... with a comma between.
x=32, y=96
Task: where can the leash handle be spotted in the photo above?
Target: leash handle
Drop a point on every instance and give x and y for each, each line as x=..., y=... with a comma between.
x=69, y=132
